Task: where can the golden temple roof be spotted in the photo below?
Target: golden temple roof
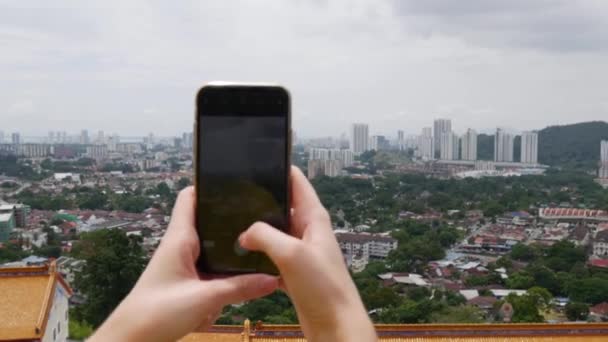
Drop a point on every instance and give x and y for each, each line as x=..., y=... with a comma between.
x=571, y=332
x=26, y=295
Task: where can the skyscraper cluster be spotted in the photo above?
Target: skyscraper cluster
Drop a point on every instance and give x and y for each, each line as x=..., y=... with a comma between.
x=328, y=162
x=441, y=142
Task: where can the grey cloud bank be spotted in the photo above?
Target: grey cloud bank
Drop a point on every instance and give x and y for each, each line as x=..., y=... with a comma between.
x=134, y=67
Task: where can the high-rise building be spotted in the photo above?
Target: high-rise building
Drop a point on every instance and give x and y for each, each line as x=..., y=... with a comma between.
x=400, y=140
x=84, y=137
x=1, y=137
x=447, y=146
x=319, y=153
x=151, y=138
x=188, y=140
x=30, y=150
x=529, y=147
x=97, y=151
x=604, y=151
x=455, y=147
x=16, y=138
x=112, y=142
x=503, y=146
x=440, y=126
x=425, y=148
x=315, y=168
x=603, y=170
x=100, y=138
x=359, y=138
x=378, y=143
x=469, y=145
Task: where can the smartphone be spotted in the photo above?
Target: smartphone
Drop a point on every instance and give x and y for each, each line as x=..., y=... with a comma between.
x=242, y=161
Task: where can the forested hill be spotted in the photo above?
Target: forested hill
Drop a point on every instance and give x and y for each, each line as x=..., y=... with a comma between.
x=576, y=145
x=572, y=146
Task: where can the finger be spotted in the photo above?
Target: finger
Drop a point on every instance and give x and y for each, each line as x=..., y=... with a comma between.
x=181, y=234
x=183, y=211
x=262, y=237
x=307, y=208
x=238, y=289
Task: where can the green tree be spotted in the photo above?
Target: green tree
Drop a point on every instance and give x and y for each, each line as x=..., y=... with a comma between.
x=458, y=314
x=113, y=263
x=520, y=280
x=163, y=189
x=523, y=252
x=576, y=311
x=182, y=183
x=528, y=308
x=79, y=330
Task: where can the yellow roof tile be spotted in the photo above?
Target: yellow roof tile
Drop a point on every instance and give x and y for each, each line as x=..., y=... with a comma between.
x=21, y=302
x=26, y=295
x=595, y=332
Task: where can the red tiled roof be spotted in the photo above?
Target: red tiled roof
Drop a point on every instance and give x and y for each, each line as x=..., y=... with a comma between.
x=483, y=301
x=599, y=309
x=599, y=263
x=572, y=212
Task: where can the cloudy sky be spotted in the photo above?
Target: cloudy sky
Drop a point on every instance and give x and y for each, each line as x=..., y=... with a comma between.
x=133, y=67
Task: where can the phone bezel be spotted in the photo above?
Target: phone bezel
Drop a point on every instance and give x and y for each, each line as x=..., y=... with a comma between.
x=246, y=99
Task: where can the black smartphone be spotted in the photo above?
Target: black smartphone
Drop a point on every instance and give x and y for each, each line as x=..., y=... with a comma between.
x=242, y=161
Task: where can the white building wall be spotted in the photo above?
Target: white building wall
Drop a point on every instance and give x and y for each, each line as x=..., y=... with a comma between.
x=57, y=324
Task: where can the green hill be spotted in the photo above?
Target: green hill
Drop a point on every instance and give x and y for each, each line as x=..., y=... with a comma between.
x=570, y=146
x=576, y=145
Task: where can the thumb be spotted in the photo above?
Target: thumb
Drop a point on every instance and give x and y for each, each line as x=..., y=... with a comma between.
x=261, y=237
x=237, y=289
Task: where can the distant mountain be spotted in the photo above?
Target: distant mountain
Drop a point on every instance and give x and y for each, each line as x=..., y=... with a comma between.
x=573, y=146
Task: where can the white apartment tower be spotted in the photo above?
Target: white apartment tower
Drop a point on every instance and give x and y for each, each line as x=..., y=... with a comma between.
x=400, y=140
x=440, y=126
x=425, y=144
x=359, y=138
x=604, y=151
x=503, y=146
x=447, y=147
x=529, y=147
x=469, y=145
x=603, y=170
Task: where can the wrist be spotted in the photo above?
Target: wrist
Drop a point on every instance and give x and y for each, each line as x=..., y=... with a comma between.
x=351, y=324
x=347, y=321
x=121, y=325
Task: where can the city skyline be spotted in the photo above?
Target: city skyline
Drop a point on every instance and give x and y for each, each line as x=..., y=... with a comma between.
x=130, y=67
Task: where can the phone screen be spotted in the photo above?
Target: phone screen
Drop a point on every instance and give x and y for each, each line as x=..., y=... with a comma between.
x=242, y=175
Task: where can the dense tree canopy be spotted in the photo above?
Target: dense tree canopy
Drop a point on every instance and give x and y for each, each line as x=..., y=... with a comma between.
x=113, y=263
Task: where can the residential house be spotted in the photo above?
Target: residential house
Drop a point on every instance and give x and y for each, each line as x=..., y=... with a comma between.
x=599, y=312
x=600, y=244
